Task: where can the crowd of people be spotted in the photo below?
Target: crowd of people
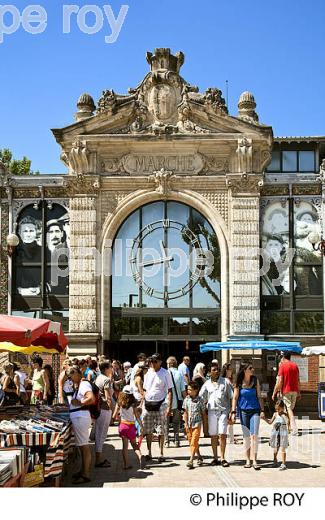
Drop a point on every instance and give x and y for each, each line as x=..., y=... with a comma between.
x=147, y=400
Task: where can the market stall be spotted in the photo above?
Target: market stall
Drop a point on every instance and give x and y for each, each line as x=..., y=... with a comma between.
x=42, y=433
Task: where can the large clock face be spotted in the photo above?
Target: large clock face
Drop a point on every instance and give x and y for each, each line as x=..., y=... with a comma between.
x=146, y=263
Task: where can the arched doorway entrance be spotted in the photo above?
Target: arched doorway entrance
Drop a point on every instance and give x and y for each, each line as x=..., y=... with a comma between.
x=165, y=289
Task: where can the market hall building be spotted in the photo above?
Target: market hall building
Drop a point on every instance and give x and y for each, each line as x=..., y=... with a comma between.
x=160, y=182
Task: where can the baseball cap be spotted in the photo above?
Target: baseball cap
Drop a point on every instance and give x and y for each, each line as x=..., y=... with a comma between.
x=127, y=364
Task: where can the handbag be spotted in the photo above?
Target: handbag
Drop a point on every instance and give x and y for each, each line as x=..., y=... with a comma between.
x=153, y=406
x=179, y=401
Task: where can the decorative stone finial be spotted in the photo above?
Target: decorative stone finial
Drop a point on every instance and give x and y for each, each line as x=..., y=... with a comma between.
x=86, y=107
x=162, y=59
x=246, y=106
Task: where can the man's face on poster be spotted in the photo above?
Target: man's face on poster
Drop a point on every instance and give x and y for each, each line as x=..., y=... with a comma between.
x=54, y=236
x=28, y=233
x=273, y=248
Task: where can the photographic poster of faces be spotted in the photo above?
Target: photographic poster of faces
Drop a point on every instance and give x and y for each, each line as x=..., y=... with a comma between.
x=304, y=256
x=275, y=243
x=28, y=255
x=308, y=259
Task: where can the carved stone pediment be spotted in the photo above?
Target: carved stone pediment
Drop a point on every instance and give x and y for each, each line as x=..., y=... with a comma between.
x=163, y=103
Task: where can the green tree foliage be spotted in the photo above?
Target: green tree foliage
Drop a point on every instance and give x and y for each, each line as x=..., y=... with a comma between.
x=15, y=166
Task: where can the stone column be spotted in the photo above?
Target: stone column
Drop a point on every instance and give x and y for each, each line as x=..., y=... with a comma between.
x=244, y=256
x=83, y=328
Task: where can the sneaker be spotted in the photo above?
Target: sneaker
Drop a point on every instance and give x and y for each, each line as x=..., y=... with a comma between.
x=190, y=465
x=200, y=461
x=282, y=467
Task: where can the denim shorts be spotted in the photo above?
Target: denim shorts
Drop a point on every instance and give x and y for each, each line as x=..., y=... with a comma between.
x=250, y=422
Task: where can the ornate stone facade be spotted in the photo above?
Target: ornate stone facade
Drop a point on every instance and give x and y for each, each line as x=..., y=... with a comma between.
x=164, y=140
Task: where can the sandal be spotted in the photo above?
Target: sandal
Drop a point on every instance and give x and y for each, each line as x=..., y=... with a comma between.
x=81, y=480
x=190, y=465
x=256, y=467
x=215, y=462
x=200, y=461
x=248, y=465
x=104, y=464
x=224, y=463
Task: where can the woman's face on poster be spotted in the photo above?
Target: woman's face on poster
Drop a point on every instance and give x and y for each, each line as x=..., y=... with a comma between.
x=273, y=248
x=27, y=233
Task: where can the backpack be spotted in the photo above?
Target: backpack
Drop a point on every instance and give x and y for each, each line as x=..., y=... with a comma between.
x=94, y=408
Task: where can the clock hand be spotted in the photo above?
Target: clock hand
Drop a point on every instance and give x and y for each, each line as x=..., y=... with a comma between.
x=149, y=263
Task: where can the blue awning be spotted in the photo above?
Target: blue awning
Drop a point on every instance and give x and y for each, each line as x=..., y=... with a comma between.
x=292, y=346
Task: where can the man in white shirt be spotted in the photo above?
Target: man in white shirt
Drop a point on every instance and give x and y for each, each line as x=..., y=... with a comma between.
x=157, y=386
x=217, y=394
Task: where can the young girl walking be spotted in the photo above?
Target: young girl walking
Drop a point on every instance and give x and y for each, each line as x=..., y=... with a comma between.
x=279, y=434
x=126, y=409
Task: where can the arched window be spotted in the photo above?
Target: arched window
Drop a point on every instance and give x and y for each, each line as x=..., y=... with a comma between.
x=40, y=285
x=166, y=274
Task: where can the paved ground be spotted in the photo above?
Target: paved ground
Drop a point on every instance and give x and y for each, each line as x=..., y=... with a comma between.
x=306, y=464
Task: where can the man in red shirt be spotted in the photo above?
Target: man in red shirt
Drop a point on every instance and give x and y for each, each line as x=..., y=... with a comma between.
x=288, y=384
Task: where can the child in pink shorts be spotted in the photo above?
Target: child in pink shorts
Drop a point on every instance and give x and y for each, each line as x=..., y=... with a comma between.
x=126, y=408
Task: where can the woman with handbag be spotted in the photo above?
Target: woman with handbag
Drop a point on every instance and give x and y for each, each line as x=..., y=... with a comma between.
x=179, y=394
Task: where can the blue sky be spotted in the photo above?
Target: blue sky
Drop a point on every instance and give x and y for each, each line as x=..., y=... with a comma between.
x=274, y=48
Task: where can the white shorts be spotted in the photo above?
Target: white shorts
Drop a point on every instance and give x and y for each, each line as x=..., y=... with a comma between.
x=81, y=426
x=218, y=423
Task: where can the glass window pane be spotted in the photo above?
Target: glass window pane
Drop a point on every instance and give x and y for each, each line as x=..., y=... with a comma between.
x=207, y=291
x=152, y=326
x=57, y=281
x=178, y=326
x=309, y=322
x=275, y=322
x=274, y=166
x=309, y=302
x=205, y=326
x=124, y=327
x=124, y=288
x=289, y=161
x=60, y=316
x=307, y=161
x=28, y=281
x=276, y=302
x=26, y=314
x=308, y=280
x=306, y=224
